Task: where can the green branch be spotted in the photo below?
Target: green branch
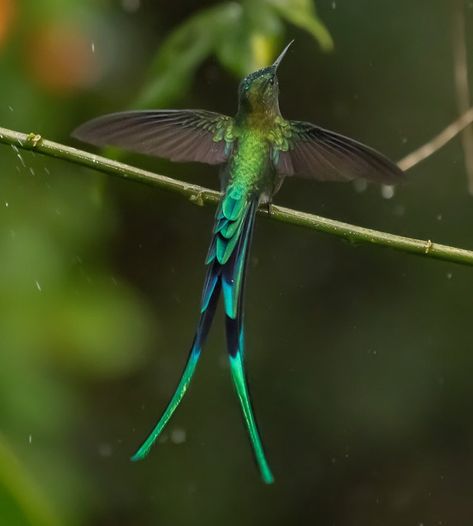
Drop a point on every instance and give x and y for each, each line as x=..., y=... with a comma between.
x=204, y=196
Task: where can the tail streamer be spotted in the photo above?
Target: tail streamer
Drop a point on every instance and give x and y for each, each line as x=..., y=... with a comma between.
x=227, y=262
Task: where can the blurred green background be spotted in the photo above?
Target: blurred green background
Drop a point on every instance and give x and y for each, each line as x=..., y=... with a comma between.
x=360, y=358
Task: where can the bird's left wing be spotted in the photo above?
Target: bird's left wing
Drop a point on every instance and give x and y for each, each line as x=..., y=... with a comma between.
x=178, y=135
x=301, y=148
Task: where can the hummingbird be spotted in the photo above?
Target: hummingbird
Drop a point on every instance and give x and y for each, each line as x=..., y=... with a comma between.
x=256, y=150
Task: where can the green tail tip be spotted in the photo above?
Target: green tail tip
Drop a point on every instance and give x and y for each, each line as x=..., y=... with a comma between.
x=267, y=476
x=138, y=456
x=143, y=451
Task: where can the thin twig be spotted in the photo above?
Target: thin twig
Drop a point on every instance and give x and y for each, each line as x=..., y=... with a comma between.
x=439, y=141
x=461, y=83
x=203, y=196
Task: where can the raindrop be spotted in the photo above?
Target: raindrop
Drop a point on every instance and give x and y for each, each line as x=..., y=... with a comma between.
x=449, y=275
x=30, y=439
x=92, y=47
x=439, y=217
x=10, y=108
x=38, y=286
x=178, y=436
x=334, y=5
x=6, y=204
x=387, y=191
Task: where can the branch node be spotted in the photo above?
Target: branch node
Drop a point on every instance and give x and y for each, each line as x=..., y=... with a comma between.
x=197, y=199
x=428, y=246
x=34, y=139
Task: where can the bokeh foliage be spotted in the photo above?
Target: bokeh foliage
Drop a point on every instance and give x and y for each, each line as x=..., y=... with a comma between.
x=360, y=359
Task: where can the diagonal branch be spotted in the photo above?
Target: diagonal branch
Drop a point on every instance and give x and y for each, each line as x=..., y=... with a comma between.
x=462, y=87
x=438, y=142
x=203, y=196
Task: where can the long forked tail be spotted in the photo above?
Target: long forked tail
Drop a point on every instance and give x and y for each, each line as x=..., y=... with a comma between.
x=226, y=262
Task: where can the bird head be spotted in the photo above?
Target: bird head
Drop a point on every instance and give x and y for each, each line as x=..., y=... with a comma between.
x=259, y=90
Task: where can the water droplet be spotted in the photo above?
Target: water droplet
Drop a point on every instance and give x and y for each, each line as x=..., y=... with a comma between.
x=439, y=217
x=38, y=286
x=6, y=204
x=334, y=5
x=92, y=47
x=178, y=436
x=21, y=159
x=30, y=439
x=387, y=191
x=449, y=275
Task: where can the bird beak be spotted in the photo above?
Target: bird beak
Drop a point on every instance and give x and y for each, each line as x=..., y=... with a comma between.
x=281, y=56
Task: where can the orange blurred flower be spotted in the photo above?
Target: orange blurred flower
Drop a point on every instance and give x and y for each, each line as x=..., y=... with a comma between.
x=7, y=9
x=61, y=57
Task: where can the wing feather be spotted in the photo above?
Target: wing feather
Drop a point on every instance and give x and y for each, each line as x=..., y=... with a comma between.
x=178, y=135
x=310, y=151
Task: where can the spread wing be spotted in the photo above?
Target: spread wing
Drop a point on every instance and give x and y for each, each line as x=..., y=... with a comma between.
x=178, y=135
x=301, y=148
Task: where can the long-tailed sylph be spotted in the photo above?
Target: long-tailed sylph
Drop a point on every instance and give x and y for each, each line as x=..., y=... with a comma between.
x=256, y=149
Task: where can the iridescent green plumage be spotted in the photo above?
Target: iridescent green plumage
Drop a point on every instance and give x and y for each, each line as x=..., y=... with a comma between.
x=257, y=149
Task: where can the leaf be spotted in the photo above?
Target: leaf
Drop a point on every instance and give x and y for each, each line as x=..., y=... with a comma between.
x=302, y=13
x=182, y=53
x=250, y=40
x=244, y=37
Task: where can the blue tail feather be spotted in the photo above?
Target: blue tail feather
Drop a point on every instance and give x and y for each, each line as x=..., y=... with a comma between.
x=226, y=261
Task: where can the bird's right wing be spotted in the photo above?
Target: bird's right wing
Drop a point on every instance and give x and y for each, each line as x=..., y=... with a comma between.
x=178, y=135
